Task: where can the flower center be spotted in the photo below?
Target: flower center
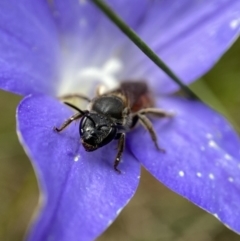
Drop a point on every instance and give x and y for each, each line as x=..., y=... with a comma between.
x=85, y=80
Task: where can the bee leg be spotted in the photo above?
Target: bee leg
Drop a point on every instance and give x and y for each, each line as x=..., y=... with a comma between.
x=68, y=122
x=79, y=96
x=121, y=144
x=157, y=112
x=148, y=125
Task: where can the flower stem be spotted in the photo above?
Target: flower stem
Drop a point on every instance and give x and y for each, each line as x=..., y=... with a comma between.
x=142, y=45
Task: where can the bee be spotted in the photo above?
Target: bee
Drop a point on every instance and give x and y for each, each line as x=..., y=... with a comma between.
x=111, y=115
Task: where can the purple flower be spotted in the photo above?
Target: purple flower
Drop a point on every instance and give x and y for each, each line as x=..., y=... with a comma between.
x=52, y=48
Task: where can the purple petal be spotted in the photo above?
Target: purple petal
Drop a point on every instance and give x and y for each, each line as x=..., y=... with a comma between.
x=188, y=32
x=81, y=23
x=71, y=16
x=29, y=47
x=190, y=36
x=91, y=41
x=31, y=34
x=134, y=13
x=202, y=160
x=82, y=192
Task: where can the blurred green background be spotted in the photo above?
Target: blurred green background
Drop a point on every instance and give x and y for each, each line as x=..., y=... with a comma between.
x=155, y=213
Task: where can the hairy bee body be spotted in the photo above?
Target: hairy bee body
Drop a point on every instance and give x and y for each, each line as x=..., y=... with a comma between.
x=111, y=115
x=135, y=95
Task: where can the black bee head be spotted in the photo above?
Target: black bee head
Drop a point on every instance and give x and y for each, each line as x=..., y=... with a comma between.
x=96, y=130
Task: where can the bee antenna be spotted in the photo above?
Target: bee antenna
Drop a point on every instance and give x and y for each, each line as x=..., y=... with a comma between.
x=76, y=108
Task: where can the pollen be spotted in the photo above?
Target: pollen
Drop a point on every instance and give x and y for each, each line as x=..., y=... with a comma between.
x=199, y=174
x=211, y=176
x=212, y=144
x=76, y=158
x=181, y=173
